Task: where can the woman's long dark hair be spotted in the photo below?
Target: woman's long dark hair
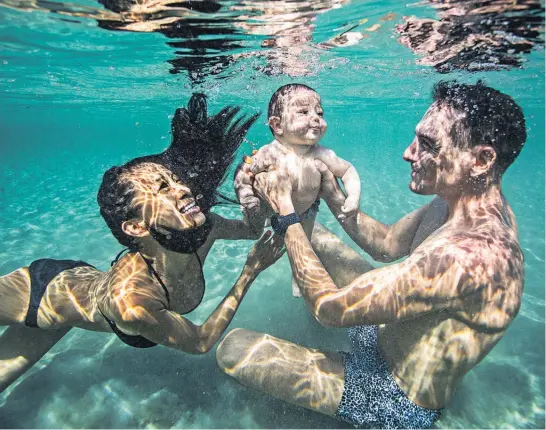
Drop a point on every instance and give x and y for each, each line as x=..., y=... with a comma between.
x=201, y=150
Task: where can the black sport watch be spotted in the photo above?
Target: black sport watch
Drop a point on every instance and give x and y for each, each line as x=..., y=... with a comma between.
x=280, y=223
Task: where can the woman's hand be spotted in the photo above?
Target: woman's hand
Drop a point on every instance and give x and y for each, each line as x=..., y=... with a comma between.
x=266, y=251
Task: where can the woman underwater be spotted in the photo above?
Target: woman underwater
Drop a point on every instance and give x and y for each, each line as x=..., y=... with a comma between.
x=150, y=206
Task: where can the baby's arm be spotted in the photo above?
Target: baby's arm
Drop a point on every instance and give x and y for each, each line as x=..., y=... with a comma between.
x=349, y=176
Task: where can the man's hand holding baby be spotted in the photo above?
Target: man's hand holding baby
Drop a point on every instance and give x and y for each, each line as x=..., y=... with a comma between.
x=339, y=203
x=245, y=177
x=275, y=188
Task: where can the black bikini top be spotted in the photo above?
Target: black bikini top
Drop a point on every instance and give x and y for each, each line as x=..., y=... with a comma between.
x=138, y=341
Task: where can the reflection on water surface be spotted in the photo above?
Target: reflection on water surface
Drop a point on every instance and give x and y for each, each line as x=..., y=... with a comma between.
x=208, y=36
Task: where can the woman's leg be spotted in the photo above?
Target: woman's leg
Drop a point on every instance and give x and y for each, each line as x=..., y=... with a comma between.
x=14, y=296
x=302, y=376
x=20, y=346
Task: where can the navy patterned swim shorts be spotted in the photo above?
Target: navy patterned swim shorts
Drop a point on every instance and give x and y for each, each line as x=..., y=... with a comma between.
x=371, y=398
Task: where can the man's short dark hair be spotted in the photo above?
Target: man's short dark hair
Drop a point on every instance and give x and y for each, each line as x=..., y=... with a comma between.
x=276, y=106
x=489, y=117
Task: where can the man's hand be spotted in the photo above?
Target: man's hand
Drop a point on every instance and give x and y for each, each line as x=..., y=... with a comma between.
x=261, y=161
x=264, y=160
x=275, y=188
x=350, y=208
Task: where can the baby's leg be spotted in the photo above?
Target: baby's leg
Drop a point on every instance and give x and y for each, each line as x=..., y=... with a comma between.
x=308, y=225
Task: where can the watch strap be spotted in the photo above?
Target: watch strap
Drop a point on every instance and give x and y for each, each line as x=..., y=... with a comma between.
x=280, y=223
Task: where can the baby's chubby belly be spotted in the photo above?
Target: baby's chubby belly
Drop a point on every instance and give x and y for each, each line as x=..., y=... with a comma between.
x=304, y=175
x=306, y=185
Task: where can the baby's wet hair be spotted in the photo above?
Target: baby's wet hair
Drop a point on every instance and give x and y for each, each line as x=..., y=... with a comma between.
x=276, y=103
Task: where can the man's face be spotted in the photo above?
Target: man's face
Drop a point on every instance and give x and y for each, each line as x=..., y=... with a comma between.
x=302, y=121
x=438, y=167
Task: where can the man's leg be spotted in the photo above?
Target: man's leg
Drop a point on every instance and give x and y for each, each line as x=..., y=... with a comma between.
x=302, y=376
x=14, y=296
x=342, y=262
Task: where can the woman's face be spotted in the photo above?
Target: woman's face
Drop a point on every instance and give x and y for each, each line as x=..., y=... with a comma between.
x=163, y=200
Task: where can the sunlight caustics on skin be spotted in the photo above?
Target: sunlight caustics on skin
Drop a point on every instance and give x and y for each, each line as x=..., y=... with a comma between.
x=64, y=74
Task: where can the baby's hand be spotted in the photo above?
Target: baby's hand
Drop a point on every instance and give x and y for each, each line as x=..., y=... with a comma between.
x=350, y=208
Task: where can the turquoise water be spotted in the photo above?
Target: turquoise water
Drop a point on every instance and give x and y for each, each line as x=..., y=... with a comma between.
x=76, y=99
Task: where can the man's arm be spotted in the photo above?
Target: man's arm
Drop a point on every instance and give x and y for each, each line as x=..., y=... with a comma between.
x=417, y=286
x=382, y=242
x=385, y=243
x=341, y=169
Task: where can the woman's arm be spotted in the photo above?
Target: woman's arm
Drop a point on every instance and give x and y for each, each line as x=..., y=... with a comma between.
x=170, y=329
x=232, y=229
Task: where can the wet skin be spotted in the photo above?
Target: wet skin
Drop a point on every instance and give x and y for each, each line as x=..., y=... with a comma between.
x=440, y=311
x=127, y=293
x=297, y=131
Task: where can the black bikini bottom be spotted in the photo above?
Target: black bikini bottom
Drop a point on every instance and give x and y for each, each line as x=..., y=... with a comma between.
x=42, y=273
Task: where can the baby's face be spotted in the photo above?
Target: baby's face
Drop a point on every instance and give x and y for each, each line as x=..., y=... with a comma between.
x=302, y=121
